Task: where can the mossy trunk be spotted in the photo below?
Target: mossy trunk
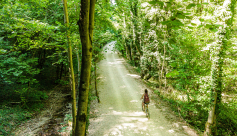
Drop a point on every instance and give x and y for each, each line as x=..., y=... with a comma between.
x=96, y=90
x=71, y=71
x=86, y=25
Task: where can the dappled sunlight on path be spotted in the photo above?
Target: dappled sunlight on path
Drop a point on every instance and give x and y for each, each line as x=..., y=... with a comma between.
x=119, y=112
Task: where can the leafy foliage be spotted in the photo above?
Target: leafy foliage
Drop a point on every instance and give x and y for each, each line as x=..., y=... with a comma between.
x=33, y=49
x=181, y=44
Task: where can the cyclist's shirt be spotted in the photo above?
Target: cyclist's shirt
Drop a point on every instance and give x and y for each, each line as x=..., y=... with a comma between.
x=146, y=97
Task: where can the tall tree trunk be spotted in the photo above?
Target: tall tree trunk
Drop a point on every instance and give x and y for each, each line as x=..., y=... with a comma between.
x=71, y=71
x=78, y=70
x=134, y=8
x=224, y=33
x=96, y=91
x=86, y=25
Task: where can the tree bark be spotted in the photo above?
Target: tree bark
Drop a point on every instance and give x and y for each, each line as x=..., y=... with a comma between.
x=86, y=25
x=96, y=91
x=78, y=70
x=71, y=71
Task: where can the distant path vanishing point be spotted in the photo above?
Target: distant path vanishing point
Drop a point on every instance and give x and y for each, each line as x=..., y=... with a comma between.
x=120, y=111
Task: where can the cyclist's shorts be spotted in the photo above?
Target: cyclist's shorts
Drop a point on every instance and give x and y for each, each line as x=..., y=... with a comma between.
x=146, y=102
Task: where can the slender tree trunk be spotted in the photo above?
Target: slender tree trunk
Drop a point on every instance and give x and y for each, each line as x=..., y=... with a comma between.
x=78, y=70
x=71, y=67
x=96, y=91
x=224, y=33
x=86, y=25
x=211, y=122
x=163, y=63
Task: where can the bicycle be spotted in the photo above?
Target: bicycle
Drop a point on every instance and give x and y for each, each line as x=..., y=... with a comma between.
x=146, y=110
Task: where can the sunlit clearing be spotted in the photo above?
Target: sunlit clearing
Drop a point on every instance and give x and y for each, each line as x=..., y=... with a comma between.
x=98, y=119
x=128, y=125
x=119, y=60
x=114, y=131
x=116, y=62
x=161, y=127
x=117, y=113
x=111, y=108
x=134, y=119
x=133, y=75
x=132, y=122
x=123, y=86
x=171, y=131
x=131, y=114
x=134, y=101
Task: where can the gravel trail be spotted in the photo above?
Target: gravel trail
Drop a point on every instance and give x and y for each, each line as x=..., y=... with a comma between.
x=119, y=112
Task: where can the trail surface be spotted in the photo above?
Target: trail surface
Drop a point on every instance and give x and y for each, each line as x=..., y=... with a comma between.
x=119, y=112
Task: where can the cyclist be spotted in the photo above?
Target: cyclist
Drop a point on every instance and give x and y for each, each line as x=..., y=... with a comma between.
x=146, y=99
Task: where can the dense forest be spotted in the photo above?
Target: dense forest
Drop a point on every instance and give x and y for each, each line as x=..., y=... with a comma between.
x=185, y=49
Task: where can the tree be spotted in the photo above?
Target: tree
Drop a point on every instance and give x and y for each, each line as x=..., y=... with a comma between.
x=72, y=78
x=226, y=19
x=86, y=26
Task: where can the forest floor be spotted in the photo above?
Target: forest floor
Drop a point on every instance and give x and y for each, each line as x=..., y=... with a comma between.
x=119, y=112
x=52, y=120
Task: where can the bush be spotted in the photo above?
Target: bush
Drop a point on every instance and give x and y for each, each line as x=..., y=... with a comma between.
x=31, y=99
x=227, y=120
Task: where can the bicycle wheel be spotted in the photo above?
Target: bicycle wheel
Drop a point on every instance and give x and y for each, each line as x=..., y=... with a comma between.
x=148, y=114
x=146, y=111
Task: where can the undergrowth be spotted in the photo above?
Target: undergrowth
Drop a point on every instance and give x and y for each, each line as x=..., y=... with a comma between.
x=196, y=114
x=16, y=111
x=10, y=117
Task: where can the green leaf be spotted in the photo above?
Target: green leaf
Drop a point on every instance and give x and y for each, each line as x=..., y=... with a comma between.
x=181, y=16
x=200, y=26
x=161, y=4
x=168, y=5
x=172, y=74
x=190, y=6
x=187, y=13
x=208, y=26
x=152, y=2
x=156, y=2
x=17, y=73
x=199, y=5
x=213, y=29
x=173, y=64
x=218, y=25
x=202, y=20
x=177, y=23
x=165, y=22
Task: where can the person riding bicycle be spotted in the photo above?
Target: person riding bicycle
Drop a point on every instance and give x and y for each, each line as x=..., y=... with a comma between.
x=146, y=99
